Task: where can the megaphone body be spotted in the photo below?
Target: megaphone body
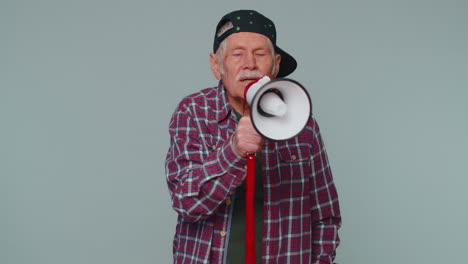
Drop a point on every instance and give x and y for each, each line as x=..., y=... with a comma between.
x=279, y=108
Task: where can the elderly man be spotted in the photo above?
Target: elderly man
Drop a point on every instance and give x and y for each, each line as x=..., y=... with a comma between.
x=297, y=214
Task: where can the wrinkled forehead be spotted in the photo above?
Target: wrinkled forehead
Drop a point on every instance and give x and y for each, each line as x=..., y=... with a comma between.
x=248, y=40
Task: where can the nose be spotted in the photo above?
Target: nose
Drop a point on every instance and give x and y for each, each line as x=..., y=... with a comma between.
x=250, y=62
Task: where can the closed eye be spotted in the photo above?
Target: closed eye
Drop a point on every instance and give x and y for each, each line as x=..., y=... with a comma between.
x=237, y=52
x=260, y=53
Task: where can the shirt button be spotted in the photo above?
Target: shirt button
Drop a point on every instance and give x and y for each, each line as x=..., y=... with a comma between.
x=214, y=147
x=223, y=234
x=293, y=157
x=228, y=201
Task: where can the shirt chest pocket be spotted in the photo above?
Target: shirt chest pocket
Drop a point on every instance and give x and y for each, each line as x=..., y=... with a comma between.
x=294, y=155
x=294, y=161
x=294, y=171
x=211, y=143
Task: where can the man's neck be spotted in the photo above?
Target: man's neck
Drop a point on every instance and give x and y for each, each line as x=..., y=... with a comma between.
x=240, y=106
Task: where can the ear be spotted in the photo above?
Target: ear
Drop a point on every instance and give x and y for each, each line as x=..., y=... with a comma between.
x=215, y=66
x=277, y=64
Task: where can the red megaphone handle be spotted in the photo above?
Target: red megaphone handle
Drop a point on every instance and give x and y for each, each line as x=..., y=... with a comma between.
x=250, y=256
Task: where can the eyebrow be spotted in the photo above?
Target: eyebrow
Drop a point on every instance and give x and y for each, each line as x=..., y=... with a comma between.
x=266, y=49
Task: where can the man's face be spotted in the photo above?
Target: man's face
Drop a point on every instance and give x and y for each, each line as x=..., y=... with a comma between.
x=248, y=56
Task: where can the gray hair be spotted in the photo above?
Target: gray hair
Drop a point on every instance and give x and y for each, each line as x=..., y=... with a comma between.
x=223, y=47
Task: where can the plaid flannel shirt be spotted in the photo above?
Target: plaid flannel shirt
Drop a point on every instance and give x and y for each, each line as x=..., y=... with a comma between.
x=301, y=210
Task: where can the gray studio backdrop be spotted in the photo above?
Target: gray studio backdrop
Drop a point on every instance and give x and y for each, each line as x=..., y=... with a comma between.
x=87, y=89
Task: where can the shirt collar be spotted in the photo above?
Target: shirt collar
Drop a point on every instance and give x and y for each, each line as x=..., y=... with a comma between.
x=223, y=107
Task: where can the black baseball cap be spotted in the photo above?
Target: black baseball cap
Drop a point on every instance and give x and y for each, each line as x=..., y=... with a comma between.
x=252, y=21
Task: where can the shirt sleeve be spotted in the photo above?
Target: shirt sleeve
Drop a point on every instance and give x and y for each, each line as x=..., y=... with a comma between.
x=325, y=208
x=199, y=177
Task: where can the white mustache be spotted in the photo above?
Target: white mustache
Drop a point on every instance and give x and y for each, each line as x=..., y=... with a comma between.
x=248, y=75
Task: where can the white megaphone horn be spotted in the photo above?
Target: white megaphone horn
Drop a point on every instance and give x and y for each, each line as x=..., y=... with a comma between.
x=279, y=108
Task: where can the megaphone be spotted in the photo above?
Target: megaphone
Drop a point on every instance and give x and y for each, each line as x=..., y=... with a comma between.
x=279, y=108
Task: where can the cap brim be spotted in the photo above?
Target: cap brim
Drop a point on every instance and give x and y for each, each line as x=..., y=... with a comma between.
x=287, y=65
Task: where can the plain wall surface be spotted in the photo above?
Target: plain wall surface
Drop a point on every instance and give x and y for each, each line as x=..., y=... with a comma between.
x=87, y=89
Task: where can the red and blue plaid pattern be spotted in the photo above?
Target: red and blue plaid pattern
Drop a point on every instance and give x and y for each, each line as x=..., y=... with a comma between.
x=301, y=209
